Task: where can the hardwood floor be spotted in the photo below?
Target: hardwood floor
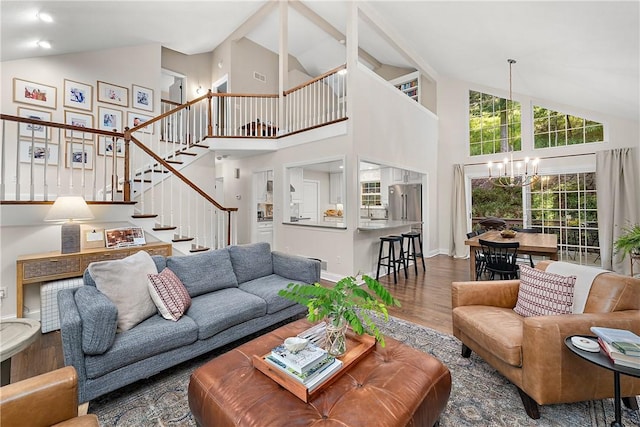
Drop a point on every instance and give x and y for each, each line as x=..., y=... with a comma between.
x=425, y=299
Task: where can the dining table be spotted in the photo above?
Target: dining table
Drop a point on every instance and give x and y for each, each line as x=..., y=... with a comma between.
x=540, y=244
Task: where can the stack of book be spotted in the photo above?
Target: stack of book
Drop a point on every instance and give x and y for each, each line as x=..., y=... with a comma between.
x=309, y=366
x=620, y=345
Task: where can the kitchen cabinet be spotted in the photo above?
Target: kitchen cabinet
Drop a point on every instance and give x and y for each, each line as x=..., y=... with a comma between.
x=296, y=179
x=265, y=232
x=336, y=184
x=409, y=84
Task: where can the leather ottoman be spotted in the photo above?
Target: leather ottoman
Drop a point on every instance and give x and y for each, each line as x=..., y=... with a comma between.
x=391, y=386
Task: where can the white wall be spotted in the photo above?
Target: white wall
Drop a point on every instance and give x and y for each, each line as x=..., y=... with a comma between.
x=453, y=109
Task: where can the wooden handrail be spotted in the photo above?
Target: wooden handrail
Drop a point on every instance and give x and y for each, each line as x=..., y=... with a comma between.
x=61, y=126
x=166, y=101
x=245, y=95
x=312, y=81
x=184, y=179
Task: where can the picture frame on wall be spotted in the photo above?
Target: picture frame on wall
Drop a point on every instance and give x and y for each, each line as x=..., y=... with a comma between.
x=32, y=130
x=106, y=146
x=142, y=98
x=113, y=94
x=40, y=152
x=27, y=92
x=78, y=95
x=79, y=155
x=135, y=119
x=82, y=120
x=110, y=119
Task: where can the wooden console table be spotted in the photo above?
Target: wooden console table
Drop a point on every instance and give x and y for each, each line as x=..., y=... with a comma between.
x=38, y=268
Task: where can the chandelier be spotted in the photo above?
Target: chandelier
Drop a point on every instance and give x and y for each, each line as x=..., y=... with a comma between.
x=510, y=173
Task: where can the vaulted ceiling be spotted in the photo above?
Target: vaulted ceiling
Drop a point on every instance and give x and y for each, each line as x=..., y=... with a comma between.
x=578, y=53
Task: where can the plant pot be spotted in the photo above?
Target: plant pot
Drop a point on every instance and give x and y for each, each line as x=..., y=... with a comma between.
x=336, y=340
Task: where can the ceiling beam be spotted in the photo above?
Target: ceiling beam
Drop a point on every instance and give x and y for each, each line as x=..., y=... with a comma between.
x=388, y=33
x=254, y=21
x=331, y=30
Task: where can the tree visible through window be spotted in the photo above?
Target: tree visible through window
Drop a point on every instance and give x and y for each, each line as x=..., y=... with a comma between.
x=488, y=119
x=563, y=204
x=555, y=129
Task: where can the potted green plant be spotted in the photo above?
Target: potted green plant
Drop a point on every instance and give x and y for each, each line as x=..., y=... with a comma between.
x=345, y=304
x=629, y=241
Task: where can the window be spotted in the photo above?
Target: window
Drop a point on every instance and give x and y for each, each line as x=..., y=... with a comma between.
x=371, y=194
x=555, y=129
x=563, y=204
x=488, y=119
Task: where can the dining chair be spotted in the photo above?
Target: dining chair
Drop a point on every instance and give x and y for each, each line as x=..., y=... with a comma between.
x=493, y=223
x=500, y=258
x=526, y=257
x=479, y=256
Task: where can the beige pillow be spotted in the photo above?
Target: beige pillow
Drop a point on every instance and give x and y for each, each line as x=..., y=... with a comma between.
x=124, y=282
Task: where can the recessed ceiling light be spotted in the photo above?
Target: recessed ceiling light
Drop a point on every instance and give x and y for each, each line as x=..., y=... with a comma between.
x=44, y=17
x=44, y=44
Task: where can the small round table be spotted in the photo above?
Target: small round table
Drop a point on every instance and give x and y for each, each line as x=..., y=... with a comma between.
x=15, y=336
x=603, y=361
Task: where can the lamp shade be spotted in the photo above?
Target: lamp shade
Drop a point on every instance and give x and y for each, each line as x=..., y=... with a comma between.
x=68, y=208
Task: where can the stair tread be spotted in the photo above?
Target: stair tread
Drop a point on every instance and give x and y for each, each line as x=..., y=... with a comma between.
x=200, y=145
x=185, y=153
x=144, y=216
x=199, y=249
x=182, y=239
x=178, y=162
x=164, y=227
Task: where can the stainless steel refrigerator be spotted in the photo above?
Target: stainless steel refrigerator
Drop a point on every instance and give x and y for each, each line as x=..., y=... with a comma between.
x=405, y=202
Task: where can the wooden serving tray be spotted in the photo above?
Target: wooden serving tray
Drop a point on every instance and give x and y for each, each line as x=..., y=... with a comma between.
x=358, y=346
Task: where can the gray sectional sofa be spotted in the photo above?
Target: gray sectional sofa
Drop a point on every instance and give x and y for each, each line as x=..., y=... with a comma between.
x=233, y=294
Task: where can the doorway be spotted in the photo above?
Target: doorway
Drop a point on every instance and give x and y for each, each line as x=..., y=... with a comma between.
x=310, y=200
x=220, y=125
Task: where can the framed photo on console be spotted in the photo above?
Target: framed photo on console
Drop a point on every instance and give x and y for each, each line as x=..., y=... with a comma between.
x=125, y=236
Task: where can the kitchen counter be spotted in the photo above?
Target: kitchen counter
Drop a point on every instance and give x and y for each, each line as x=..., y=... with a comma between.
x=309, y=223
x=370, y=225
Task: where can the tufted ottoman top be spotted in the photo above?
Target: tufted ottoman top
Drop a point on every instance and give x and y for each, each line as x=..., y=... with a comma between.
x=391, y=386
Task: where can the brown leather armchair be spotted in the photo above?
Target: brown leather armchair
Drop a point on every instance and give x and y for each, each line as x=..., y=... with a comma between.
x=530, y=351
x=45, y=400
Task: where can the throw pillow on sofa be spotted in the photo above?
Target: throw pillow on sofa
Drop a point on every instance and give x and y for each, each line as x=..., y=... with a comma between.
x=204, y=272
x=124, y=281
x=542, y=293
x=169, y=294
x=251, y=261
x=99, y=320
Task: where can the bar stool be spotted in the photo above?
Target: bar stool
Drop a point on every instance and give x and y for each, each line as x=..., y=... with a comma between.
x=411, y=253
x=392, y=262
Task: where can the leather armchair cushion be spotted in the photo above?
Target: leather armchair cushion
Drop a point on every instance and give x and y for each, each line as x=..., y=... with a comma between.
x=496, y=328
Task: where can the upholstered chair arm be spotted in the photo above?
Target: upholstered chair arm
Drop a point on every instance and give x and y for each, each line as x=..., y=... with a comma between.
x=296, y=268
x=544, y=351
x=43, y=400
x=494, y=293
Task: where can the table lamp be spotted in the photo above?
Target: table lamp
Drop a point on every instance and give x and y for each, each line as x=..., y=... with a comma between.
x=69, y=208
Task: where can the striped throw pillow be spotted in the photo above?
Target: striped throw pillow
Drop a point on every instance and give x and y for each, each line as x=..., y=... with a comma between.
x=543, y=294
x=169, y=294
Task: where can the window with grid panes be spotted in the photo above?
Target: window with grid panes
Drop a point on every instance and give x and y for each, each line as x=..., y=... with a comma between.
x=566, y=204
x=489, y=116
x=555, y=129
x=371, y=194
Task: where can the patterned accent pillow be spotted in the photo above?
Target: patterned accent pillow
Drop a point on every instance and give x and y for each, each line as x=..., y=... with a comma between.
x=543, y=294
x=169, y=294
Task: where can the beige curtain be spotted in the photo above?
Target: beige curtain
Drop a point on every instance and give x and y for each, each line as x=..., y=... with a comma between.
x=457, y=248
x=618, y=186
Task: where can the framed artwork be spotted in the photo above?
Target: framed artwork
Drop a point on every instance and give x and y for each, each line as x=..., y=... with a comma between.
x=113, y=94
x=142, y=98
x=78, y=95
x=32, y=130
x=106, y=146
x=27, y=92
x=126, y=236
x=109, y=119
x=79, y=154
x=82, y=120
x=92, y=237
x=135, y=119
x=40, y=152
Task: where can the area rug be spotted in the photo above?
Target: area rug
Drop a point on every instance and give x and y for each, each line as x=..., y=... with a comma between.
x=480, y=396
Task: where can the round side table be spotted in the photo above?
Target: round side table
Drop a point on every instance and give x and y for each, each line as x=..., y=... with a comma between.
x=603, y=361
x=15, y=336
